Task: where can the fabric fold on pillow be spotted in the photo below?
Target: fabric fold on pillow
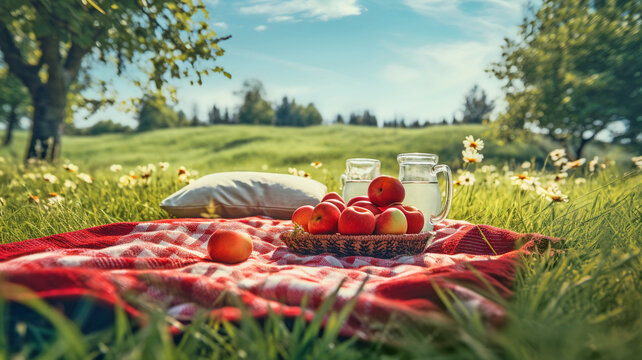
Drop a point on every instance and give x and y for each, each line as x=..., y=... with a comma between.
x=244, y=193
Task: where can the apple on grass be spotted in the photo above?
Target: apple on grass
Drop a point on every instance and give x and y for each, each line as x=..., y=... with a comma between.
x=356, y=220
x=357, y=198
x=332, y=195
x=391, y=221
x=414, y=217
x=229, y=246
x=302, y=216
x=385, y=190
x=324, y=219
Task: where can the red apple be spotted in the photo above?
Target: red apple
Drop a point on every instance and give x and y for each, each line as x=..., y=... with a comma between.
x=414, y=217
x=229, y=246
x=385, y=190
x=339, y=204
x=368, y=205
x=302, y=215
x=332, y=195
x=391, y=221
x=356, y=220
x=324, y=219
x=357, y=198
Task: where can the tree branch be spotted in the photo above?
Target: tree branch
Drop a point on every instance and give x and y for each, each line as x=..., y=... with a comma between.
x=28, y=74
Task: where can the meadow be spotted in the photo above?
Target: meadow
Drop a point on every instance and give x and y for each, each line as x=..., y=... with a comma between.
x=581, y=302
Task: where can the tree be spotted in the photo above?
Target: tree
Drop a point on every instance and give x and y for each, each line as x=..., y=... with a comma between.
x=476, y=106
x=255, y=109
x=283, y=113
x=107, y=127
x=154, y=113
x=65, y=38
x=366, y=119
x=195, y=120
x=214, y=116
x=574, y=72
x=14, y=103
x=339, y=120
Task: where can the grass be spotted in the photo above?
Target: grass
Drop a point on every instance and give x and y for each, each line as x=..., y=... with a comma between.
x=581, y=303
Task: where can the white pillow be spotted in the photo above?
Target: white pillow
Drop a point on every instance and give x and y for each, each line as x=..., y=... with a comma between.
x=244, y=193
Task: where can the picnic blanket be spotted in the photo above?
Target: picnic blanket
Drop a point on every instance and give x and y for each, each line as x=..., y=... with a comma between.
x=165, y=261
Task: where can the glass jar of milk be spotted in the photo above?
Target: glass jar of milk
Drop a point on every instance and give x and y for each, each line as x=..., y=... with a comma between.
x=359, y=173
x=418, y=174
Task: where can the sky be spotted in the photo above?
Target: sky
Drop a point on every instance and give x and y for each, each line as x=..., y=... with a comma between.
x=412, y=59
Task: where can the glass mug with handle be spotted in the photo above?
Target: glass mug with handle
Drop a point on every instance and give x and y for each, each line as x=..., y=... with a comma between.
x=359, y=173
x=418, y=174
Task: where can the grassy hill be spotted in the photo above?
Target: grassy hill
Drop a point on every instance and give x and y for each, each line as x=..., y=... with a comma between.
x=584, y=302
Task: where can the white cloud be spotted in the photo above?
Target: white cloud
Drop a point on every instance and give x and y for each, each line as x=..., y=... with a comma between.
x=486, y=18
x=220, y=25
x=289, y=10
x=260, y=28
x=432, y=79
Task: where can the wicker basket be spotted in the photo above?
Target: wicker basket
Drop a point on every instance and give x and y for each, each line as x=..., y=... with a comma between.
x=381, y=246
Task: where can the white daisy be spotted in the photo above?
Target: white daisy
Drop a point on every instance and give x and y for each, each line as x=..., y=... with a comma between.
x=471, y=143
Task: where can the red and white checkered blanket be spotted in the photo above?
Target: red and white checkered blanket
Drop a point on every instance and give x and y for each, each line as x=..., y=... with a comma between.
x=166, y=261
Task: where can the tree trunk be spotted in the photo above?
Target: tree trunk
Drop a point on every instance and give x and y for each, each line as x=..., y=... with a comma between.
x=47, y=124
x=11, y=124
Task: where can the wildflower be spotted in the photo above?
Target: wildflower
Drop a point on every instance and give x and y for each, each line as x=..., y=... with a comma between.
x=526, y=165
x=560, y=162
x=552, y=193
x=85, y=177
x=70, y=167
x=467, y=178
x=182, y=171
x=54, y=199
x=472, y=156
x=50, y=178
x=163, y=165
x=456, y=183
x=574, y=164
x=304, y=174
x=488, y=168
x=33, y=199
x=292, y=171
x=471, y=143
x=264, y=167
x=316, y=164
x=146, y=170
x=127, y=181
x=593, y=164
x=557, y=154
x=524, y=181
x=115, y=168
x=560, y=177
x=70, y=185
x=579, y=181
x=637, y=160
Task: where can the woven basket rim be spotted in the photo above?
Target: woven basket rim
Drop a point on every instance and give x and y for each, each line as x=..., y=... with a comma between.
x=362, y=238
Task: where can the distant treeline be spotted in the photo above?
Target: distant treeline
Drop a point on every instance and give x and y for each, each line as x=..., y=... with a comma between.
x=155, y=113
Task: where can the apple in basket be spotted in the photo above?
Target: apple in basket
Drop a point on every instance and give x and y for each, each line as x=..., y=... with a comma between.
x=332, y=195
x=414, y=217
x=229, y=246
x=324, y=219
x=339, y=204
x=357, y=198
x=368, y=205
x=302, y=216
x=391, y=221
x=385, y=190
x=356, y=220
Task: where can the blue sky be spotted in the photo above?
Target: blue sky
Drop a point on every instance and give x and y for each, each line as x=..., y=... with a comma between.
x=414, y=58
